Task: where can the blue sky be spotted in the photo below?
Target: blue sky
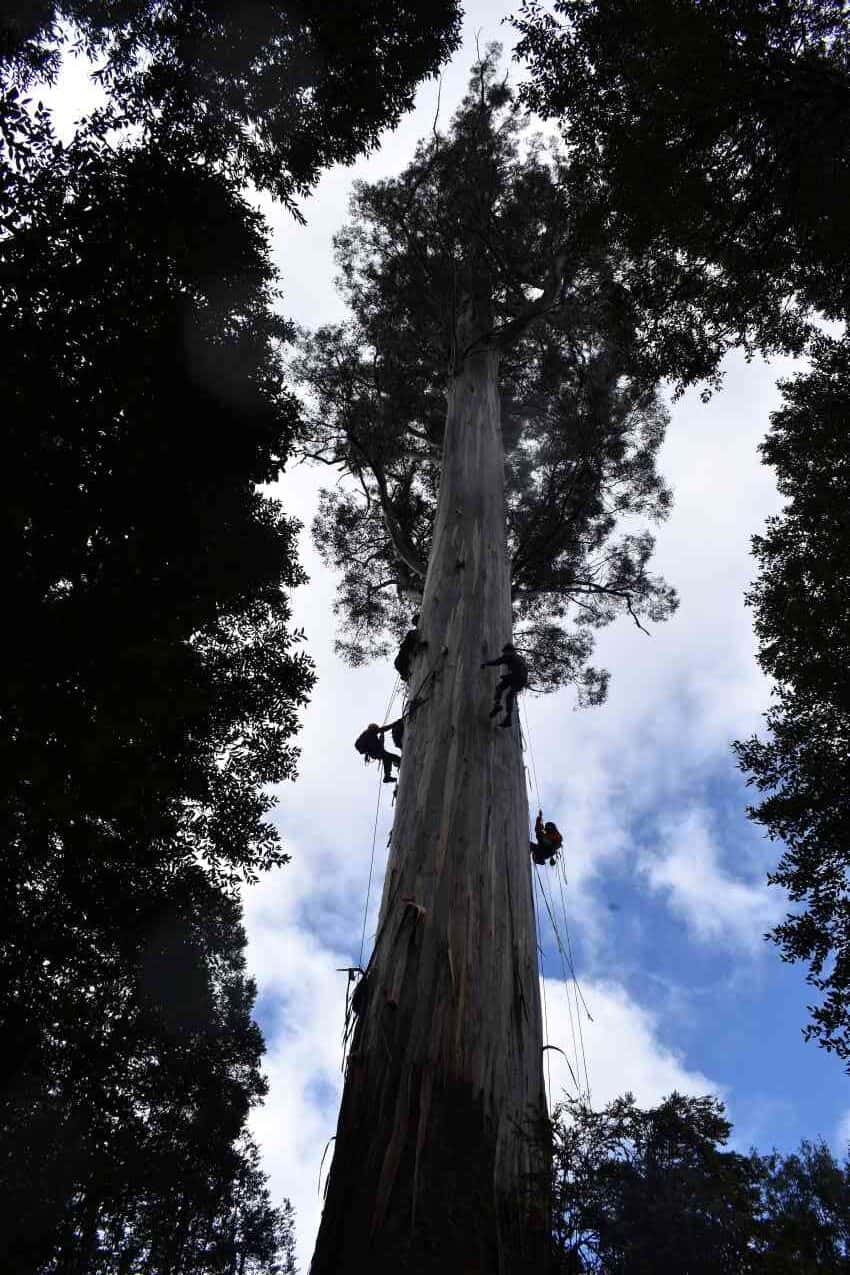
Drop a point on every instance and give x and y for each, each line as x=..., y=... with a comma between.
x=666, y=896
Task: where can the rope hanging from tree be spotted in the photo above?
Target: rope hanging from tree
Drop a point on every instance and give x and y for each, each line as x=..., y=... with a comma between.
x=563, y=945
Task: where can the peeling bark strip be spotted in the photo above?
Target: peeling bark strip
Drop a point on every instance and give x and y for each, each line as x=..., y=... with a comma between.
x=439, y=1147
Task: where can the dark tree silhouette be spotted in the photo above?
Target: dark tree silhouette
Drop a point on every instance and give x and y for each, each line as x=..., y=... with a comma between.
x=151, y=690
x=804, y=1219
x=153, y=683
x=270, y=93
x=650, y=1191
x=122, y=1140
x=712, y=142
x=801, y=602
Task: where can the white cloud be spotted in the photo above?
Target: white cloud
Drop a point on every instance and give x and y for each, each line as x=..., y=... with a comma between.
x=621, y=1047
x=304, y=999
x=715, y=905
x=841, y=1141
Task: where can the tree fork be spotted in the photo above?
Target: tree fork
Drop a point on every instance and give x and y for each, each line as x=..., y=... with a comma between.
x=441, y=1156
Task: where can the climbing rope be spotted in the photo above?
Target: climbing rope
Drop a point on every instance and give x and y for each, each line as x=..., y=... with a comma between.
x=565, y=951
x=390, y=703
x=562, y=883
x=545, y=1007
x=564, y=972
x=526, y=735
x=371, y=868
x=577, y=992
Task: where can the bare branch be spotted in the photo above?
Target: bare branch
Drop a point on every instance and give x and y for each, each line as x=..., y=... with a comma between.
x=437, y=112
x=569, y=588
x=304, y=455
x=550, y=300
x=402, y=543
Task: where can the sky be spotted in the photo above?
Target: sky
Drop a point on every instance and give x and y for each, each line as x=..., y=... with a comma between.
x=665, y=901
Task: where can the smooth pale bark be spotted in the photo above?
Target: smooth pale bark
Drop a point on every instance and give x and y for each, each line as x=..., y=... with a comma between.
x=441, y=1158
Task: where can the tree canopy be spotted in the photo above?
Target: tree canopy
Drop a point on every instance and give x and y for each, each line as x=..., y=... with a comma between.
x=475, y=242
x=154, y=679
x=711, y=139
x=136, y=1062
x=649, y=1191
x=151, y=692
x=270, y=93
x=145, y=572
x=801, y=603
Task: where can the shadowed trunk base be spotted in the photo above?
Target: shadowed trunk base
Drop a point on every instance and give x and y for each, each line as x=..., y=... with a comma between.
x=467, y=1231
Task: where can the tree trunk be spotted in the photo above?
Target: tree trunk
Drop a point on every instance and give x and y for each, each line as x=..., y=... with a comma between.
x=441, y=1154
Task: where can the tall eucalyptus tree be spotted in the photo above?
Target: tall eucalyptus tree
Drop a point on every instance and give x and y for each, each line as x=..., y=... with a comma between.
x=487, y=403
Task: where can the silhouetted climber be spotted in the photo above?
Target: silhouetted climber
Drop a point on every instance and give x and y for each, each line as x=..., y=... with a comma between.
x=409, y=645
x=549, y=841
x=371, y=744
x=515, y=679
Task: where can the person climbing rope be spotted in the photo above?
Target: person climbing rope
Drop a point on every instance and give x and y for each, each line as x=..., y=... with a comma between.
x=411, y=642
x=514, y=680
x=548, y=843
x=371, y=744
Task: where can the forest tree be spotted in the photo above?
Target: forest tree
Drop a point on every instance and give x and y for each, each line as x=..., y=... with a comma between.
x=154, y=681
x=487, y=404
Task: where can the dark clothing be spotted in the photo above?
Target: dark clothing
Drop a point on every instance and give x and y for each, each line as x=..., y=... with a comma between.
x=515, y=679
x=517, y=670
x=549, y=842
x=404, y=660
x=397, y=732
x=505, y=683
x=371, y=744
x=539, y=854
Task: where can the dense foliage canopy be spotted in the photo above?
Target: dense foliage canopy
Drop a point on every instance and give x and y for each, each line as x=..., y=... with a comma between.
x=483, y=220
x=711, y=139
x=801, y=602
x=270, y=93
x=711, y=142
x=651, y=1191
x=151, y=691
x=153, y=680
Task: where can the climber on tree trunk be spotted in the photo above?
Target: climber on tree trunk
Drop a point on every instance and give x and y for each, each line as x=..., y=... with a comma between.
x=411, y=642
x=548, y=843
x=514, y=680
x=371, y=744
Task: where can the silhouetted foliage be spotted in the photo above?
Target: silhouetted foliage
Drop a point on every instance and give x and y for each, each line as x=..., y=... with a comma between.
x=484, y=218
x=122, y=1143
x=151, y=691
x=801, y=602
x=652, y=1191
x=711, y=140
x=645, y=1192
x=144, y=571
x=804, y=1222
x=271, y=93
x=153, y=683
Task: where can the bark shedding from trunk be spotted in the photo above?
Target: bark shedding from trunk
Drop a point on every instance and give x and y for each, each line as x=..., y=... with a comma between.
x=441, y=1153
